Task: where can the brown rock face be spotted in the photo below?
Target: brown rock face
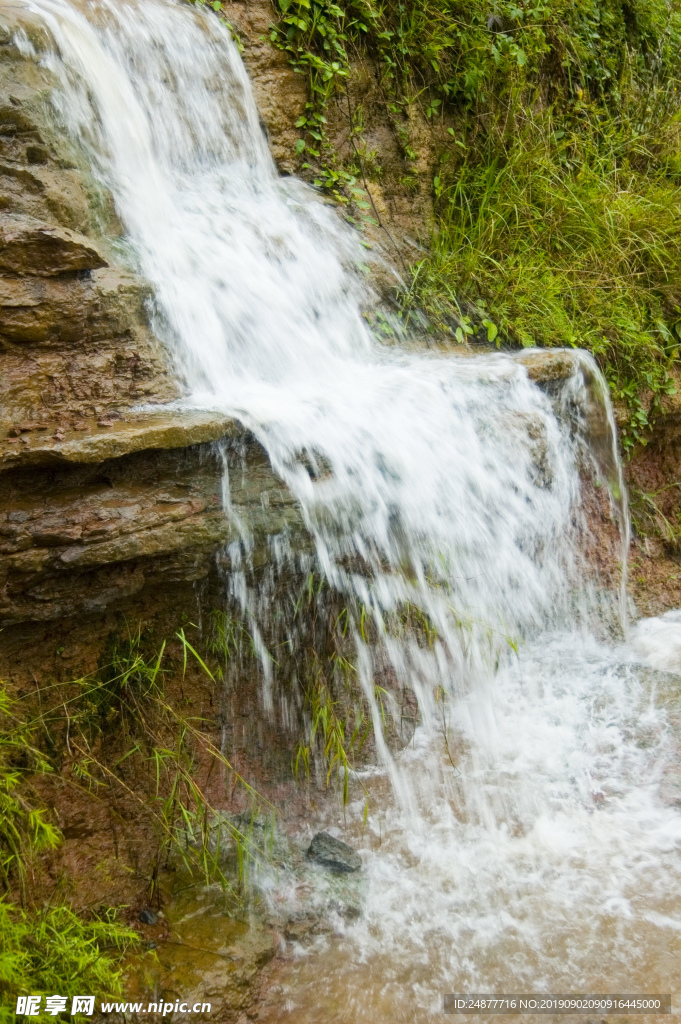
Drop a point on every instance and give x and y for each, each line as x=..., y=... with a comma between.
x=399, y=152
x=69, y=309
x=77, y=538
x=101, y=508
x=74, y=336
x=29, y=247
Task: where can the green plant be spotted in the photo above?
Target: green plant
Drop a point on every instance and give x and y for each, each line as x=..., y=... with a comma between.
x=25, y=831
x=555, y=124
x=337, y=727
x=50, y=949
x=125, y=738
x=654, y=514
x=228, y=639
x=584, y=255
x=55, y=951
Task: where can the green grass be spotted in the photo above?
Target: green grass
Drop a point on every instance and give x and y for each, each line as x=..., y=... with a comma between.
x=558, y=243
x=49, y=949
x=128, y=739
x=25, y=830
x=117, y=735
x=655, y=514
x=53, y=950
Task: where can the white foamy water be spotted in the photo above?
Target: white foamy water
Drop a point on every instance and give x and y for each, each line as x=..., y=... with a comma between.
x=538, y=848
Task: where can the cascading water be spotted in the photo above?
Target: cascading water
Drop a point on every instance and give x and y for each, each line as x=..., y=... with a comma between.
x=543, y=855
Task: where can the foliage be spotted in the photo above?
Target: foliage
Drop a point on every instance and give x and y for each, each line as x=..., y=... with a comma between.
x=557, y=190
x=577, y=251
x=337, y=725
x=24, y=829
x=54, y=951
x=49, y=949
x=310, y=651
x=655, y=514
x=470, y=51
x=127, y=738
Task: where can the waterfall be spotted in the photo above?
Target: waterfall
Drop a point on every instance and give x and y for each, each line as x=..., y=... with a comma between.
x=545, y=853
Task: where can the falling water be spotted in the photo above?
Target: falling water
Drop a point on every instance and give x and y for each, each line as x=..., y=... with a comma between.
x=542, y=852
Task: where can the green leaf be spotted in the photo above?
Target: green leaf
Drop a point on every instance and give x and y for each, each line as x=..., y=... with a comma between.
x=492, y=329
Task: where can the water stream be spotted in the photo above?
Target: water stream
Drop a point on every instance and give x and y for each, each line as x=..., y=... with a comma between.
x=538, y=848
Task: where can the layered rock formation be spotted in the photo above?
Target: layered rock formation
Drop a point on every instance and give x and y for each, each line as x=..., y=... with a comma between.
x=100, y=505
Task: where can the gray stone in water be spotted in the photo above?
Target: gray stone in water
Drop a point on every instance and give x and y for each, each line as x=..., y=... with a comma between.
x=333, y=854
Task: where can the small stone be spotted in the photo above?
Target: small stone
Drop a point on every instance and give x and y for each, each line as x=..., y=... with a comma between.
x=333, y=854
x=147, y=916
x=13, y=432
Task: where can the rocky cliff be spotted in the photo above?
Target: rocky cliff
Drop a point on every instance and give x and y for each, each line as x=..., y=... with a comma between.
x=106, y=512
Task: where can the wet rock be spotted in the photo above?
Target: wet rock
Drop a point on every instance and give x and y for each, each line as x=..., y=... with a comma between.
x=70, y=310
x=97, y=516
x=548, y=364
x=113, y=440
x=148, y=916
x=333, y=854
x=98, y=504
x=299, y=928
x=348, y=911
x=28, y=246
